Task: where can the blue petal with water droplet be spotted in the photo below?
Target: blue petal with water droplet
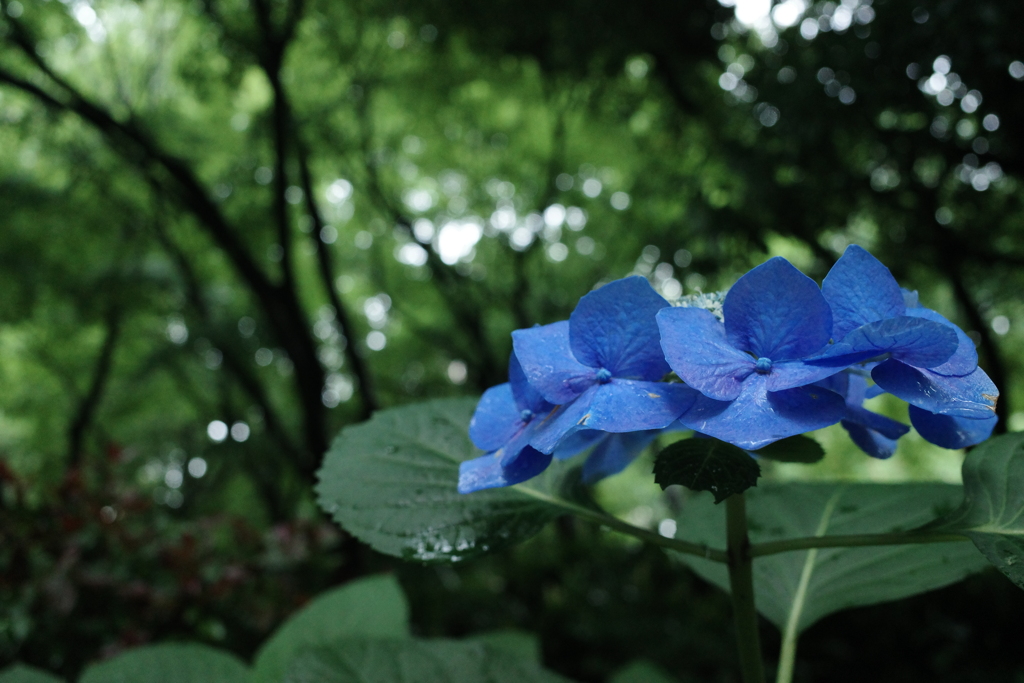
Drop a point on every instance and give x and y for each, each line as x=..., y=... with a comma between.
x=496, y=420
x=618, y=406
x=527, y=398
x=548, y=363
x=487, y=471
x=951, y=432
x=971, y=396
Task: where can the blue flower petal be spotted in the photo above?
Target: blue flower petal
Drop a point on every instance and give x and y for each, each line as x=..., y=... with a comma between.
x=873, y=390
x=614, y=328
x=578, y=442
x=625, y=405
x=868, y=440
x=860, y=290
x=887, y=427
x=759, y=417
x=964, y=361
x=951, y=432
x=796, y=373
x=496, y=419
x=842, y=384
x=519, y=441
x=854, y=388
x=910, y=298
x=487, y=472
x=618, y=406
x=875, y=434
x=615, y=452
x=777, y=312
x=913, y=340
x=697, y=350
x=527, y=398
x=971, y=396
x=548, y=363
x=563, y=422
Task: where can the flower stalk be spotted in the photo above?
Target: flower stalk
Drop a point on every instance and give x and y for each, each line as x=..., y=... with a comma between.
x=741, y=585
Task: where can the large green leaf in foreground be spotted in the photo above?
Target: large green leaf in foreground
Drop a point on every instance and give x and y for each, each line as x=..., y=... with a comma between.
x=992, y=512
x=415, y=661
x=391, y=482
x=20, y=673
x=804, y=586
x=374, y=607
x=170, y=663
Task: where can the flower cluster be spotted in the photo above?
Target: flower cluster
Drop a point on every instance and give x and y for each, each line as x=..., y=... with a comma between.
x=779, y=356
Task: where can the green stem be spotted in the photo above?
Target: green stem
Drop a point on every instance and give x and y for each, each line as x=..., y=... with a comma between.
x=741, y=585
x=686, y=547
x=852, y=541
x=604, y=519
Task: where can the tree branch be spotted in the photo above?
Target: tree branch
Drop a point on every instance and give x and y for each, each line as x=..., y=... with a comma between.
x=89, y=403
x=271, y=59
x=240, y=370
x=469, y=317
x=280, y=303
x=326, y=267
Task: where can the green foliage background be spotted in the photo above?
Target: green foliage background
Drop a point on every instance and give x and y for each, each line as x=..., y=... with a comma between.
x=285, y=214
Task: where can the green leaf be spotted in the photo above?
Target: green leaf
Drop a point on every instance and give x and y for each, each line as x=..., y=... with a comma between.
x=992, y=512
x=391, y=482
x=522, y=644
x=836, y=578
x=414, y=661
x=169, y=663
x=369, y=608
x=799, y=448
x=706, y=465
x=641, y=671
x=20, y=673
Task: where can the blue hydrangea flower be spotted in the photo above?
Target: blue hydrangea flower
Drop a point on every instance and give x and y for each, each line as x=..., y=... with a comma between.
x=505, y=420
x=602, y=367
x=611, y=453
x=870, y=317
x=949, y=431
x=750, y=369
x=874, y=434
x=926, y=360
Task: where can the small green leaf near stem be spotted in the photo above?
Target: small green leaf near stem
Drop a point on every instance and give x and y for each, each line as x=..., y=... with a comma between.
x=706, y=465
